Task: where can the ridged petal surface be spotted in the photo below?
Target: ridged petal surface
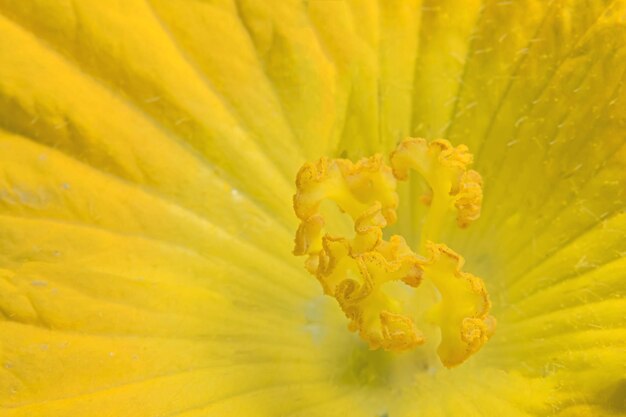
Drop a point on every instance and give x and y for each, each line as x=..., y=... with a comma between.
x=148, y=150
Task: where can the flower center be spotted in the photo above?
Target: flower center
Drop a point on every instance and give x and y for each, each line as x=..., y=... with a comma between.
x=363, y=271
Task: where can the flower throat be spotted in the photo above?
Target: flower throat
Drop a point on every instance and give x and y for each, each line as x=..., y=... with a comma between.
x=356, y=270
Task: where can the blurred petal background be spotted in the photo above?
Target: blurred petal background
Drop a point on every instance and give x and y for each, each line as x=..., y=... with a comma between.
x=148, y=150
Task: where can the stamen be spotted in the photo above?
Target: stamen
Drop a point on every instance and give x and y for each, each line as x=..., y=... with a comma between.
x=464, y=305
x=452, y=185
x=356, y=270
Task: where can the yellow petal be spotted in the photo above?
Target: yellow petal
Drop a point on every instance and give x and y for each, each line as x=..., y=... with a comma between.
x=147, y=154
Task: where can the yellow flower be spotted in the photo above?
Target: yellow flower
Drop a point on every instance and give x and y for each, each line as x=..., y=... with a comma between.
x=148, y=152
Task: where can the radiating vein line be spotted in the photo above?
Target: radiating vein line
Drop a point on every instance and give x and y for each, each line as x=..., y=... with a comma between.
x=515, y=279
x=473, y=40
x=566, y=279
x=379, y=108
x=222, y=344
x=269, y=80
x=594, y=126
x=557, y=67
x=281, y=285
x=187, y=57
x=559, y=210
x=324, y=404
x=540, y=342
x=131, y=103
x=249, y=392
x=368, y=145
x=596, y=338
x=330, y=59
x=416, y=61
x=167, y=203
x=479, y=404
x=152, y=378
x=550, y=80
x=412, y=192
x=333, y=145
x=540, y=93
x=147, y=188
x=512, y=78
x=500, y=165
x=611, y=303
x=182, y=145
x=266, y=321
x=466, y=398
x=234, y=340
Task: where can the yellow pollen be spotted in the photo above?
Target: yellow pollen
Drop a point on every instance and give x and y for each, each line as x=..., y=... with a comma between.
x=355, y=269
x=452, y=185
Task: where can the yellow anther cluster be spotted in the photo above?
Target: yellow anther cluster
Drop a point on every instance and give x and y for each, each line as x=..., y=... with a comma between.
x=355, y=269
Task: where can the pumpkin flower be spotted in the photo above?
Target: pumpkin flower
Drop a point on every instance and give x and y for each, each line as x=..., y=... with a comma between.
x=273, y=208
